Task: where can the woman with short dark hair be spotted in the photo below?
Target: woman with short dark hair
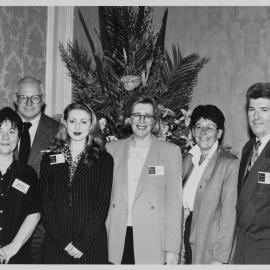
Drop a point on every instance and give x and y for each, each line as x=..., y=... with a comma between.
x=209, y=191
x=76, y=180
x=19, y=196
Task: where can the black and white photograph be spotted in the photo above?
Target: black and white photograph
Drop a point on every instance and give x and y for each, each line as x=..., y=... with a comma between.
x=135, y=133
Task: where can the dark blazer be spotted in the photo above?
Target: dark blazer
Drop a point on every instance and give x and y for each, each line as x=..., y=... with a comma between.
x=76, y=211
x=253, y=207
x=46, y=130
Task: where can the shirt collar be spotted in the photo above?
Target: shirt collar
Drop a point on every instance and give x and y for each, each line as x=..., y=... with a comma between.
x=33, y=121
x=264, y=140
x=196, y=153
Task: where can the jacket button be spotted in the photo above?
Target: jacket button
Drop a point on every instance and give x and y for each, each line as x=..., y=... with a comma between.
x=152, y=207
x=113, y=205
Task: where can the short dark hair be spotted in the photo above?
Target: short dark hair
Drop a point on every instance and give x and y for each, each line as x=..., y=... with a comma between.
x=210, y=112
x=258, y=90
x=8, y=114
x=143, y=99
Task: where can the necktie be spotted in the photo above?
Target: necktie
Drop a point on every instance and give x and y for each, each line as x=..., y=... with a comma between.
x=255, y=154
x=25, y=143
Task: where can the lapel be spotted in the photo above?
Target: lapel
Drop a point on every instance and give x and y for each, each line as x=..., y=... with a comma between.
x=261, y=164
x=151, y=160
x=40, y=137
x=81, y=169
x=206, y=177
x=187, y=167
x=122, y=167
x=246, y=156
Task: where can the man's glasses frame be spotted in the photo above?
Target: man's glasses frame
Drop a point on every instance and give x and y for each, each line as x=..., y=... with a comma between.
x=35, y=99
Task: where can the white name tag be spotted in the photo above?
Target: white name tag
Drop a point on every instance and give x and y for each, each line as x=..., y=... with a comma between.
x=56, y=159
x=156, y=170
x=20, y=185
x=264, y=178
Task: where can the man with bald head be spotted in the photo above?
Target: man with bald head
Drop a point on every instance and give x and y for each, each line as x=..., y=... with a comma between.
x=39, y=130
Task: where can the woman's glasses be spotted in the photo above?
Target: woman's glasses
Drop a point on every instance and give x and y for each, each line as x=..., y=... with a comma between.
x=207, y=129
x=137, y=117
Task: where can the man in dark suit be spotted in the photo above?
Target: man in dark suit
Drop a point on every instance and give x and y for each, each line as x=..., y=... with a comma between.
x=29, y=100
x=253, y=207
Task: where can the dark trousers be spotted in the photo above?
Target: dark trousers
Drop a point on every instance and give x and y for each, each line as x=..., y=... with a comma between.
x=188, y=253
x=248, y=252
x=128, y=253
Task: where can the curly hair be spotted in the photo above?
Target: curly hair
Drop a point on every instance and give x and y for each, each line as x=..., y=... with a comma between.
x=95, y=142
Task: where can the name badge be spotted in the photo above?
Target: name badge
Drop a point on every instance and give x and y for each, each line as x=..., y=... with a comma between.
x=264, y=178
x=56, y=159
x=156, y=170
x=20, y=185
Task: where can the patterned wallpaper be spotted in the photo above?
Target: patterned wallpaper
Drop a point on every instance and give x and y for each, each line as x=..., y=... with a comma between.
x=22, y=47
x=237, y=42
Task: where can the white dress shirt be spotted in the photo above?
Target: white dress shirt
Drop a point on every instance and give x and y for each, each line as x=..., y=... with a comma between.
x=136, y=160
x=190, y=187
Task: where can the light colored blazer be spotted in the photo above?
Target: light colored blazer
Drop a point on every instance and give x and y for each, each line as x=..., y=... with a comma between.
x=214, y=214
x=157, y=208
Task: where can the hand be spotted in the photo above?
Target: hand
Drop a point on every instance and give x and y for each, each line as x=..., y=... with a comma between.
x=172, y=258
x=7, y=252
x=73, y=251
x=3, y=256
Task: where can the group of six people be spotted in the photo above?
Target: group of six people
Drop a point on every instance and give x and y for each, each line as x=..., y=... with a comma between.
x=67, y=197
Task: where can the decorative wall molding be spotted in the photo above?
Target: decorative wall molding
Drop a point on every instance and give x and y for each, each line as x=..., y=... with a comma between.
x=57, y=82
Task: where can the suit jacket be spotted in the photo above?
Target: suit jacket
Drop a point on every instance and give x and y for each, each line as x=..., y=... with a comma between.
x=46, y=130
x=253, y=207
x=76, y=211
x=214, y=215
x=156, y=213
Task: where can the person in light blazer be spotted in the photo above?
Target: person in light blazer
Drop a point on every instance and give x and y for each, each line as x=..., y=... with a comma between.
x=144, y=220
x=76, y=181
x=209, y=191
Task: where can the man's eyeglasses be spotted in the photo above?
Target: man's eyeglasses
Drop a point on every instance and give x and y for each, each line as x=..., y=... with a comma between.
x=209, y=130
x=136, y=117
x=35, y=99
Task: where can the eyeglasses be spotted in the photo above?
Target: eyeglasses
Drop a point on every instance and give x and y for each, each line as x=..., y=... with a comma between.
x=35, y=99
x=209, y=130
x=136, y=117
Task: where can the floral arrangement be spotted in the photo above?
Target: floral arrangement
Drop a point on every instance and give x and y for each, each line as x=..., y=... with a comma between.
x=132, y=61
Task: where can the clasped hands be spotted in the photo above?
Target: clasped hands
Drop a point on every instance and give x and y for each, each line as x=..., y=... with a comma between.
x=73, y=251
x=7, y=252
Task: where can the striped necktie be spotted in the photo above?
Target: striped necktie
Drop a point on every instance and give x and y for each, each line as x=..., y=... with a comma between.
x=255, y=154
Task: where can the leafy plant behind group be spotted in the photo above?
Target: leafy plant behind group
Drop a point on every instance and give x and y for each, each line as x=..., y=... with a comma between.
x=131, y=61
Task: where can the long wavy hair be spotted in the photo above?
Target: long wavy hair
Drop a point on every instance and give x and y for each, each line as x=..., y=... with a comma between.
x=94, y=142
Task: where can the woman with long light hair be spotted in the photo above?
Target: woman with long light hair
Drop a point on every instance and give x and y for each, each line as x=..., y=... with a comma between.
x=76, y=180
